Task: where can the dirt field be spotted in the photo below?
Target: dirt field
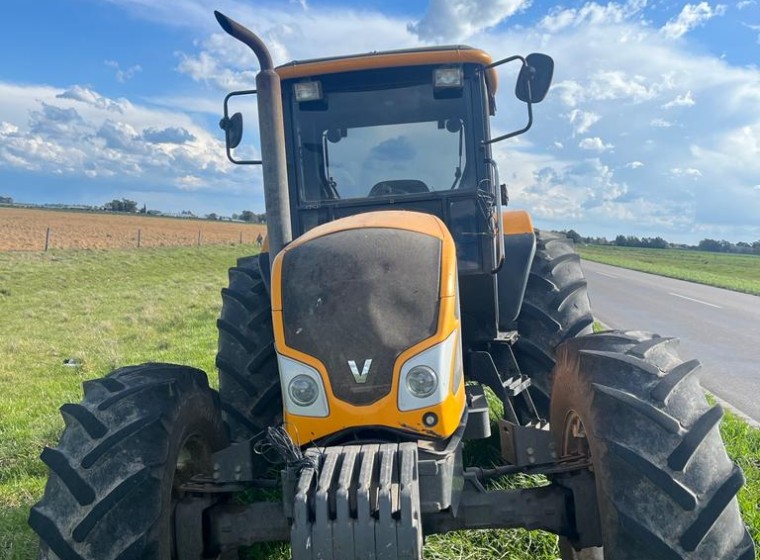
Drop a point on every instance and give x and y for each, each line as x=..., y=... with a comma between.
x=23, y=229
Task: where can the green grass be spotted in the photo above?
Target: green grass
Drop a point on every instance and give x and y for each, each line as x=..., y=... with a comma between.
x=103, y=309
x=743, y=445
x=106, y=309
x=740, y=273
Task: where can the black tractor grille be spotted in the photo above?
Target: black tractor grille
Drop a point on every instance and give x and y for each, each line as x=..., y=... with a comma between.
x=358, y=295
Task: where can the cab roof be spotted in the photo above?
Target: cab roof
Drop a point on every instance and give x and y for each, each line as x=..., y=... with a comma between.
x=450, y=54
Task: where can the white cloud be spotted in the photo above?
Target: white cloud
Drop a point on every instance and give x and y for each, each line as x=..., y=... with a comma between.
x=691, y=16
x=169, y=135
x=123, y=75
x=79, y=132
x=634, y=165
x=590, y=14
x=745, y=4
x=595, y=144
x=685, y=100
x=660, y=123
x=606, y=85
x=456, y=20
x=86, y=95
x=582, y=120
x=687, y=172
x=8, y=129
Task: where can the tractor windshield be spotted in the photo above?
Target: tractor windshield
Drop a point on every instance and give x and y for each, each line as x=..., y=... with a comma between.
x=368, y=136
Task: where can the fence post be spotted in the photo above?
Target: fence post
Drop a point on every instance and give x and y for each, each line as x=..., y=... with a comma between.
x=139, y=237
x=241, y=238
x=199, y=238
x=47, y=240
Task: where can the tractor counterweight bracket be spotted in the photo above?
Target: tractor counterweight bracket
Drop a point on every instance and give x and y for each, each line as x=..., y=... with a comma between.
x=335, y=517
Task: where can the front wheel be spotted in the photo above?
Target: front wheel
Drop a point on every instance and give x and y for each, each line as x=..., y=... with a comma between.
x=115, y=476
x=665, y=486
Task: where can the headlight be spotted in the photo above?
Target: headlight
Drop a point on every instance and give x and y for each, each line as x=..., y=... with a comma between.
x=421, y=381
x=448, y=77
x=303, y=390
x=308, y=91
x=426, y=379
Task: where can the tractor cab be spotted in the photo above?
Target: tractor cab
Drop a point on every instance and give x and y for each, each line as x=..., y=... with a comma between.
x=391, y=131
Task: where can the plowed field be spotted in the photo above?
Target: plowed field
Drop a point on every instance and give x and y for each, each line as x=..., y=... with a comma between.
x=23, y=229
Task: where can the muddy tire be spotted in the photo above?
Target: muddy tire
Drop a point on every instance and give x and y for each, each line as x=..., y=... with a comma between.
x=555, y=308
x=249, y=383
x=665, y=486
x=114, y=476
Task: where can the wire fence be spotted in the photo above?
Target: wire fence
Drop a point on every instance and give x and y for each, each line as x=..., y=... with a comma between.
x=45, y=231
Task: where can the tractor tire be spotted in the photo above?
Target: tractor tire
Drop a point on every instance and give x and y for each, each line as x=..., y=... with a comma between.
x=139, y=433
x=249, y=379
x=665, y=486
x=555, y=308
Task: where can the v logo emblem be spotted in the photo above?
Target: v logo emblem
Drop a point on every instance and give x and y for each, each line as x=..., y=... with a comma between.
x=360, y=377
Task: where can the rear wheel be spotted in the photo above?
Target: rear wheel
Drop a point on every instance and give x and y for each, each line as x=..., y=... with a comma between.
x=249, y=383
x=115, y=476
x=555, y=308
x=665, y=485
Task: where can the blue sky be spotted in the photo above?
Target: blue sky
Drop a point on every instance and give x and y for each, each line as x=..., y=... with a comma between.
x=652, y=126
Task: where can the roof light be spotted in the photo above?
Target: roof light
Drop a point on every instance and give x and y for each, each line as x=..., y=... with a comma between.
x=308, y=91
x=448, y=77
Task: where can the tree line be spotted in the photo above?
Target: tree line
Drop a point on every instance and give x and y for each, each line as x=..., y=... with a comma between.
x=127, y=206
x=711, y=245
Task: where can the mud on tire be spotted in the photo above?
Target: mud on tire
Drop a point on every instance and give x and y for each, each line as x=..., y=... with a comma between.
x=666, y=487
x=114, y=474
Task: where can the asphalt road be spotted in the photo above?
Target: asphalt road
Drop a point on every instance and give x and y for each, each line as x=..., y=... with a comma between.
x=719, y=327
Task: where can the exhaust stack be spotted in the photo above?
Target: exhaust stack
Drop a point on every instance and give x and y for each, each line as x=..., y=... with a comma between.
x=272, y=133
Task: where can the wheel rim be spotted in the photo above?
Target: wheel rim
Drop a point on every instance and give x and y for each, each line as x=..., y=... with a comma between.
x=194, y=458
x=575, y=439
x=575, y=442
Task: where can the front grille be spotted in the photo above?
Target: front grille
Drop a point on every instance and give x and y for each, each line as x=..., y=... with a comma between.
x=358, y=295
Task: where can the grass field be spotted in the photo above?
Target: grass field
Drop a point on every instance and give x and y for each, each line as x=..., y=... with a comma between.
x=740, y=273
x=105, y=309
x=25, y=229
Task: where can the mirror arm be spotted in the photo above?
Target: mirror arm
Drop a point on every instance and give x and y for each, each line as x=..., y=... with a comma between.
x=224, y=125
x=505, y=60
x=516, y=132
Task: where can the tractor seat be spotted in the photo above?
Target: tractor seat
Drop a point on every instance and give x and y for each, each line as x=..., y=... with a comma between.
x=398, y=186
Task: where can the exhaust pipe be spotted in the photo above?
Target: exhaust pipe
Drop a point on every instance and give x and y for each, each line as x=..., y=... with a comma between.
x=272, y=132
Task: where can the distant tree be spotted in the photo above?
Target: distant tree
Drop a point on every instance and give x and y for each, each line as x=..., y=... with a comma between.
x=247, y=216
x=574, y=235
x=123, y=205
x=710, y=245
x=212, y=216
x=144, y=209
x=6, y=200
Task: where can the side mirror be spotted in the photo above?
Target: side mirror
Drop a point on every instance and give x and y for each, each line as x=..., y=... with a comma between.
x=233, y=130
x=535, y=78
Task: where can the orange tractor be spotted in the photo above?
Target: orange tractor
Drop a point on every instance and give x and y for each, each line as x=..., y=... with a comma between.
x=359, y=353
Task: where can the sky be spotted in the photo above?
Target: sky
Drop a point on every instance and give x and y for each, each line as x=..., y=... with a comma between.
x=651, y=128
